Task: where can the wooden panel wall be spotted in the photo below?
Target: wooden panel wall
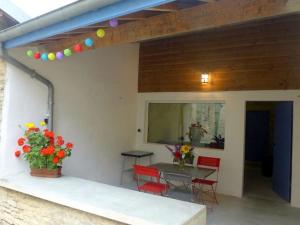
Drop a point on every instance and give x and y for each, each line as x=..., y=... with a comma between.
x=263, y=55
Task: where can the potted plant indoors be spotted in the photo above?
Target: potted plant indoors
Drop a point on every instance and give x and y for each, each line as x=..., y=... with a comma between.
x=196, y=132
x=43, y=150
x=218, y=142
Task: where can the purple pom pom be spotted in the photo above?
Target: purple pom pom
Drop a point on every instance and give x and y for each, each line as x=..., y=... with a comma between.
x=113, y=22
x=59, y=55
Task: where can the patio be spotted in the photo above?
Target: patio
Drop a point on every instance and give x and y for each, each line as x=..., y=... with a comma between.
x=116, y=76
x=259, y=206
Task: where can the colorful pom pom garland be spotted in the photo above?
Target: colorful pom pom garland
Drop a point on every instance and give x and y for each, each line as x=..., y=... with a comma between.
x=77, y=48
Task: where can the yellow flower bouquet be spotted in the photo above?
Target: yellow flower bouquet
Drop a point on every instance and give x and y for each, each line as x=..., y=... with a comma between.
x=182, y=154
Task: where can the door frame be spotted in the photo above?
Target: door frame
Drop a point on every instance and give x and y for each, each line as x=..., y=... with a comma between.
x=292, y=149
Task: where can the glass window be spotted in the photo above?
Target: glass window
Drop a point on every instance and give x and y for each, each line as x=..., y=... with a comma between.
x=198, y=124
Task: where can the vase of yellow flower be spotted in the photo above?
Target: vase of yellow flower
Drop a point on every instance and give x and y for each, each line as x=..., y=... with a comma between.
x=181, y=164
x=182, y=154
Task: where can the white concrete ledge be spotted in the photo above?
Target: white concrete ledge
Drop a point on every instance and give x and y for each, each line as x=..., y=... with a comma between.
x=119, y=204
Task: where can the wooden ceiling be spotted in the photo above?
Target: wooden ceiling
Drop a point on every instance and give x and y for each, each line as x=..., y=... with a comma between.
x=261, y=55
x=6, y=21
x=138, y=16
x=172, y=19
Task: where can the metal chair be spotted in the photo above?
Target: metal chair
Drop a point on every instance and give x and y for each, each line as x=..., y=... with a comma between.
x=212, y=163
x=149, y=186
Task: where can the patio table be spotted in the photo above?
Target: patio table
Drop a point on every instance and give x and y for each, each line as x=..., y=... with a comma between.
x=194, y=172
x=175, y=173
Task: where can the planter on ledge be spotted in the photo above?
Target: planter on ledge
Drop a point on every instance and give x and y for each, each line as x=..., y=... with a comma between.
x=44, y=172
x=43, y=150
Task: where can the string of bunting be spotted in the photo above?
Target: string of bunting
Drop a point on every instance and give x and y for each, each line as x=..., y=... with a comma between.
x=88, y=42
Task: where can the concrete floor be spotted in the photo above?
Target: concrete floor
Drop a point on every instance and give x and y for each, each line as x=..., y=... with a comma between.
x=259, y=206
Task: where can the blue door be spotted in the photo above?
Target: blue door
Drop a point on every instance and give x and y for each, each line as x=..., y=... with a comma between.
x=282, y=152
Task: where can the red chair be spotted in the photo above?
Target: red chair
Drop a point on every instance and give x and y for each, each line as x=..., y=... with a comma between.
x=149, y=186
x=211, y=163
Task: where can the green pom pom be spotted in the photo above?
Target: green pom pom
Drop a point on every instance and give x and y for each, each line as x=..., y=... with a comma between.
x=29, y=53
x=67, y=52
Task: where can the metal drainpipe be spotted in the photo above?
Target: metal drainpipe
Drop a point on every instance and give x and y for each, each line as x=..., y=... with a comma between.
x=37, y=76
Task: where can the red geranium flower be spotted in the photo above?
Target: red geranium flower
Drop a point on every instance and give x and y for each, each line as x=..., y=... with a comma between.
x=50, y=150
x=48, y=134
x=17, y=153
x=33, y=129
x=26, y=148
x=55, y=160
x=51, y=141
x=21, y=141
x=61, y=154
x=69, y=145
x=43, y=151
x=60, y=141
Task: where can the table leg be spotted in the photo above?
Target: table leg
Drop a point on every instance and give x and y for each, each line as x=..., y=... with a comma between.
x=123, y=168
x=135, y=163
x=150, y=163
x=192, y=193
x=135, y=160
x=200, y=194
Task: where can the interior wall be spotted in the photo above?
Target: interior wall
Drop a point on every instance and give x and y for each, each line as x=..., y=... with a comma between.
x=94, y=107
x=232, y=158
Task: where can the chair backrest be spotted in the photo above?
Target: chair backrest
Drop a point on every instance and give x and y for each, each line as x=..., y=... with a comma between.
x=209, y=162
x=146, y=171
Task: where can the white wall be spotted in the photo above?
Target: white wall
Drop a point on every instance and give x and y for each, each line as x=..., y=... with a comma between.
x=95, y=107
x=24, y=101
x=232, y=158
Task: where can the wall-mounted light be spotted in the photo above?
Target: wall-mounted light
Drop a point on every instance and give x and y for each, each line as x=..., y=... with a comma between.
x=204, y=78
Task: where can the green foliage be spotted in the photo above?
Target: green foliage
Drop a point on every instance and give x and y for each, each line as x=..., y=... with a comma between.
x=42, y=150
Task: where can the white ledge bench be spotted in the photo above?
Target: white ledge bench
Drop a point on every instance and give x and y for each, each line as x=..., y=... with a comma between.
x=69, y=200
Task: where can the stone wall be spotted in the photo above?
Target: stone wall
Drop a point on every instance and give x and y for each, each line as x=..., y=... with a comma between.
x=21, y=209
x=2, y=83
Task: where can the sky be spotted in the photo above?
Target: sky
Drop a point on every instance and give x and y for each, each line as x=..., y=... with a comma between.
x=34, y=8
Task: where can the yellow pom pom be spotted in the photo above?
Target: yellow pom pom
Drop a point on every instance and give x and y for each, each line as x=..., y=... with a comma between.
x=42, y=123
x=100, y=33
x=51, y=56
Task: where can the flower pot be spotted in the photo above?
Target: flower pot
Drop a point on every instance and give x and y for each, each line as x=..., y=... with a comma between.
x=44, y=172
x=181, y=164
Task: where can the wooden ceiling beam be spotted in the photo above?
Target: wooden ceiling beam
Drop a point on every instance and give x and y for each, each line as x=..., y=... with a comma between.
x=128, y=18
x=74, y=32
x=198, y=18
x=207, y=0
x=164, y=8
x=95, y=26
